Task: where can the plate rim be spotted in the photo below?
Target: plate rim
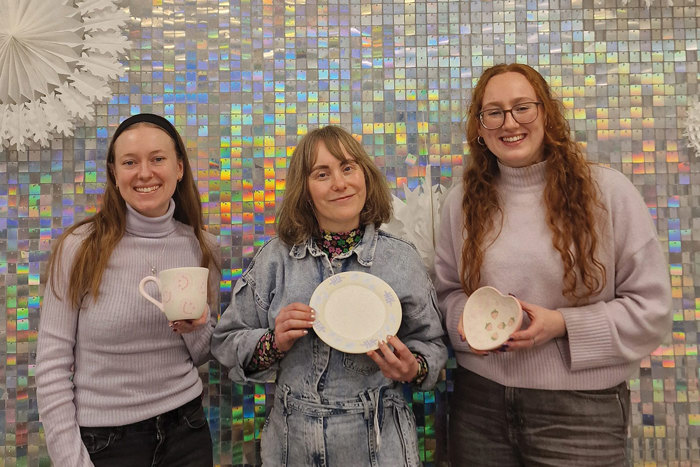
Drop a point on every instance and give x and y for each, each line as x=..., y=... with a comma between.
x=323, y=335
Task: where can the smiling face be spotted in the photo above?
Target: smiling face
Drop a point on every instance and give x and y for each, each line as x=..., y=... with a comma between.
x=515, y=144
x=337, y=190
x=146, y=169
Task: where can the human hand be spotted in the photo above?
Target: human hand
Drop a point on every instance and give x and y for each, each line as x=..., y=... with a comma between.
x=545, y=325
x=183, y=326
x=399, y=364
x=293, y=322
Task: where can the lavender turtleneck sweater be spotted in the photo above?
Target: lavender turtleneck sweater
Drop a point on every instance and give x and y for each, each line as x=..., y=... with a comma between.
x=128, y=364
x=607, y=338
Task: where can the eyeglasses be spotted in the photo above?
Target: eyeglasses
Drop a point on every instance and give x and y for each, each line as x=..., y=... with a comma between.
x=493, y=119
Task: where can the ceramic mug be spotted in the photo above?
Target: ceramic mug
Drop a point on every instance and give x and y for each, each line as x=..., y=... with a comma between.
x=183, y=291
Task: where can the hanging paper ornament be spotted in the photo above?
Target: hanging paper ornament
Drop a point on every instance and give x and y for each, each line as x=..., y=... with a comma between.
x=55, y=62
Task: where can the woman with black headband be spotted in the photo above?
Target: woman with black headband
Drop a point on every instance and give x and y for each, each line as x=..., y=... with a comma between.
x=117, y=383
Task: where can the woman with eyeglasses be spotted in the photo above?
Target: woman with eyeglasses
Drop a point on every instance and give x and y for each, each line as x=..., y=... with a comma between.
x=575, y=243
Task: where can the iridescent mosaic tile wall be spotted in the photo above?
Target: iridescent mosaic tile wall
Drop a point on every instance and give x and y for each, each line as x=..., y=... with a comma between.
x=242, y=80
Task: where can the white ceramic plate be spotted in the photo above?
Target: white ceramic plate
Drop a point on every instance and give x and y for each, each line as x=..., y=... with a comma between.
x=354, y=310
x=489, y=318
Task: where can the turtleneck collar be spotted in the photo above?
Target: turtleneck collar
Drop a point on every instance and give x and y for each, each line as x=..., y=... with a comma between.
x=522, y=178
x=152, y=227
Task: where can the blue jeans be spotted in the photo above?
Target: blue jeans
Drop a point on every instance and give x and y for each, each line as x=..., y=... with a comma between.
x=177, y=438
x=375, y=430
x=500, y=426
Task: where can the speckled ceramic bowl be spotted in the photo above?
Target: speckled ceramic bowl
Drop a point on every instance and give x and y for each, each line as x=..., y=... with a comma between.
x=489, y=318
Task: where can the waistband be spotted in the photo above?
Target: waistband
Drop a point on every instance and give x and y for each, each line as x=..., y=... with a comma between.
x=464, y=377
x=172, y=416
x=365, y=402
x=370, y=403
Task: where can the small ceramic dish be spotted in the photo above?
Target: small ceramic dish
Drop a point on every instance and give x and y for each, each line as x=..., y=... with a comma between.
x=489, y=318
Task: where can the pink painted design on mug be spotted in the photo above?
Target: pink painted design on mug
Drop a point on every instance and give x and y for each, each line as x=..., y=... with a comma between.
x=183, y=282
x=188, y=307
x=167, y=295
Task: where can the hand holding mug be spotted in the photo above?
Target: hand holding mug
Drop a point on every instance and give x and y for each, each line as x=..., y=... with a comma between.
x=183, y=326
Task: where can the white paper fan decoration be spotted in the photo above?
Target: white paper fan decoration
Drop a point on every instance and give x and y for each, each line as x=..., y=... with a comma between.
x=417, y=219
x=692, y=130
x=56, y=58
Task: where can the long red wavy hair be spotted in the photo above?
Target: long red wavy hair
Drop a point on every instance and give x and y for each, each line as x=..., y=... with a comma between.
x=570, y=195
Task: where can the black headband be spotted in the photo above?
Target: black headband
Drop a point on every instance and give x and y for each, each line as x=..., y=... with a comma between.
x=150, y=118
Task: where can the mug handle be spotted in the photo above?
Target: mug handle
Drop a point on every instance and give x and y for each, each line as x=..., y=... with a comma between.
x=145, y=294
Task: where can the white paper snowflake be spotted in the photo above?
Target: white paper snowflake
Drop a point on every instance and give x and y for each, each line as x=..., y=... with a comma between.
x=56, y=58
x=417, y=219
x=692, y=130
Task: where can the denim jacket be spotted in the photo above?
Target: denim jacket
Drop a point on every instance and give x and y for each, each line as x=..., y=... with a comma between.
x=278, y=276
x=311, y=371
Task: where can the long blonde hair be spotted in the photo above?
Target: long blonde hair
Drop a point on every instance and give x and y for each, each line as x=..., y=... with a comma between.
x=570, y=194
x=108, y=226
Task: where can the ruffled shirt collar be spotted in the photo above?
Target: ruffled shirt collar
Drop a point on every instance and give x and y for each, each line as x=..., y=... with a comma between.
x=152, y=227
x=364, y=250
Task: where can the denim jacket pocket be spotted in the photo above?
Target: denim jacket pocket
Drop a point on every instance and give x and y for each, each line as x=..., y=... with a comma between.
x=97, y=440
x=196, y=419
x=360, y=363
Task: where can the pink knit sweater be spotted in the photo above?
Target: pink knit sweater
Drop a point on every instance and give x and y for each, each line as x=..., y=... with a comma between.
x=116, y=361
x=606, y=338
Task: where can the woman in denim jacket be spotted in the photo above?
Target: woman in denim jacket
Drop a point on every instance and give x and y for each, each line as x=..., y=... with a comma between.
x=331, y=408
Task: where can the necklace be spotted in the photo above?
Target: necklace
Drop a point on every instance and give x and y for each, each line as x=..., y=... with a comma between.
x=154, y=270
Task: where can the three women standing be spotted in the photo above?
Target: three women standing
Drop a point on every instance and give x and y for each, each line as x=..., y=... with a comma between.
x=573, y=242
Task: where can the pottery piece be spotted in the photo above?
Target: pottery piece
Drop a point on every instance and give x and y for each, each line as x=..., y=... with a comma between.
x=489, y=318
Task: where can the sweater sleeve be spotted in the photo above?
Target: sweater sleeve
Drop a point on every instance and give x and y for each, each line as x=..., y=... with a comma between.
x=240, y=328
x=54, y=371
x=638, y=318
x=448, y=251
x=198, y=342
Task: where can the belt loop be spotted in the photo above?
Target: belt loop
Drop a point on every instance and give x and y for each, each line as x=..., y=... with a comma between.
x=366, y=404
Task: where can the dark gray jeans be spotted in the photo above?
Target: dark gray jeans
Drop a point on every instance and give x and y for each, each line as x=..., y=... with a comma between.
x=180, y=437
x=500, y=426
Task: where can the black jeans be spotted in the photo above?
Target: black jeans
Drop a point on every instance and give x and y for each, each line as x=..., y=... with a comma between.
x=177, y=438
x=499, y=426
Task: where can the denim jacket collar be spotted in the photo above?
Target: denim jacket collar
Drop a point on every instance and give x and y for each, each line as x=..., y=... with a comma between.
x=364, y=250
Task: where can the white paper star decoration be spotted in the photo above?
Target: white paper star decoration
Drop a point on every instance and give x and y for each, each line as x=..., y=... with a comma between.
x=56, y=58
x=692, y=130
x=417, y=219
